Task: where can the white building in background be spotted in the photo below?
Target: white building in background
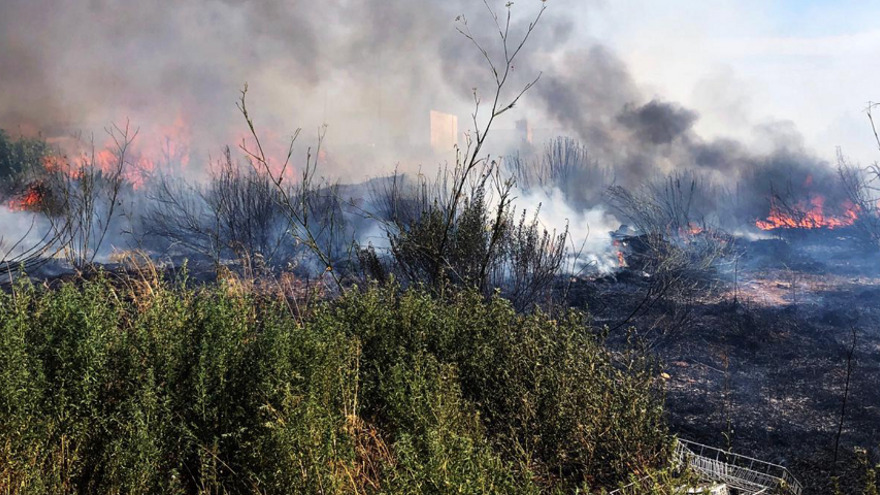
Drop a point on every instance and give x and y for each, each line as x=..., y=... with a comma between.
x=444, y=132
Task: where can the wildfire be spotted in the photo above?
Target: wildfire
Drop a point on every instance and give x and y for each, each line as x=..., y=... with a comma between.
x=621, y=258
x=160, y=147
x=165, y=146
x=29, y=201
x=808, y=216
x=692, y=229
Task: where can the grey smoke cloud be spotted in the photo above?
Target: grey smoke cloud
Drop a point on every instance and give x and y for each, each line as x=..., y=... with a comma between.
x=358, y=65
x=657, y=122
x=371, y=69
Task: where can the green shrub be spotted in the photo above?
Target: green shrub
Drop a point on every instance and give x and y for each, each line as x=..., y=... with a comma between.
x=18, y=157
x=439, y=441
x=132, y=387
x=551, y=395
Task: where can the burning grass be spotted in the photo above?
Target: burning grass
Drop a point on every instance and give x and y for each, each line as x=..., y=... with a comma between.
x=810, y=215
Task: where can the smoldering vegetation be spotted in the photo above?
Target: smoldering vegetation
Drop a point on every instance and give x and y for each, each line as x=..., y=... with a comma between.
x=236, y=216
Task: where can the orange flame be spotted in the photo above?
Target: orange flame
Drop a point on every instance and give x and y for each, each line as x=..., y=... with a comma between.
x=810, y=216
x=692, y=229
x=166, y=145
x=29, y=201
x=621, y=258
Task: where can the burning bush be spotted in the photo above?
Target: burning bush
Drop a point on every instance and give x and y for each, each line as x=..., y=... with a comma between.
x=807, y=210
x=676, y=240
x=24, y=175
x=32, y=199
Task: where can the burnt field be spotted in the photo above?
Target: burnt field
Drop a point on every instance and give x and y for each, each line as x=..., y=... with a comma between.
x=761, y=367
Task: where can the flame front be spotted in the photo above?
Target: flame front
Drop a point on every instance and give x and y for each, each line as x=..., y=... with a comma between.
x=29, y=201
x=165, y=146
x=808, y=216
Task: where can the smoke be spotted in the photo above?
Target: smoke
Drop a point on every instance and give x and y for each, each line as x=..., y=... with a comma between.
x=371, y=70
x=658, y=122
x=644, y=139
x=588, y=229
x=22, y=231
x=591, y=95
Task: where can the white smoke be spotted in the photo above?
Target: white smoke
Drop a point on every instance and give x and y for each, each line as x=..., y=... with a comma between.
x=21, y=232
x=590, y=243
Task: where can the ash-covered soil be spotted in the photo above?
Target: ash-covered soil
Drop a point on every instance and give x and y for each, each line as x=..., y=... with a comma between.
x=761, y=368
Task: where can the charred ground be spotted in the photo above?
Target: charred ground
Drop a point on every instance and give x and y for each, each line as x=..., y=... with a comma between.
x=761, y=367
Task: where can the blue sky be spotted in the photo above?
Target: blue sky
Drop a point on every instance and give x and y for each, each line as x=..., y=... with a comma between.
x=823, y=17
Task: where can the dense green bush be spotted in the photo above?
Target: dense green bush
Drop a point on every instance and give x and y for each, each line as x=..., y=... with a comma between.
x=152, y=387
x=18, y=157
x=551, y=396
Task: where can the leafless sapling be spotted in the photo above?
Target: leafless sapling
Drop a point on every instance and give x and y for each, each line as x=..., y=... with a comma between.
x=90, y=194
x=850, y=366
